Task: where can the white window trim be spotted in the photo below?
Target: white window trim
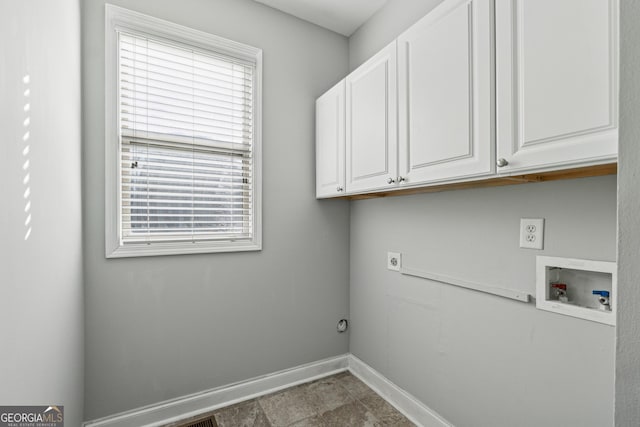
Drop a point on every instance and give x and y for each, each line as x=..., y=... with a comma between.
x=117, y=18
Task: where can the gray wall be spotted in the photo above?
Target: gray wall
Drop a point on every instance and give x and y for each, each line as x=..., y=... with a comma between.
x=162, y=327
x=394, y=17
x=628, y=330
x=41, y=270
x=477, y=359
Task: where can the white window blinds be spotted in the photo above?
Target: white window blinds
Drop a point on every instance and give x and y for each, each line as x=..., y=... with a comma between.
x=186, y=143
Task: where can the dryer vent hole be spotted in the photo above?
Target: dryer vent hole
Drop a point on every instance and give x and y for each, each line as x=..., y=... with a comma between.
x=343, y=325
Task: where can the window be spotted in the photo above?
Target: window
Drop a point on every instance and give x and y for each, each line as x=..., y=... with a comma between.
x=182, y=139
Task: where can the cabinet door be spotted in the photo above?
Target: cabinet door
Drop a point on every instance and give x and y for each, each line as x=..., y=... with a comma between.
x=557, y=83
x=445, y=79
x=330, y=134
x=371, y=123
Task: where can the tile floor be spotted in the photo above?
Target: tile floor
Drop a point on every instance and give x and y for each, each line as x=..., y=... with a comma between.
x=340, y=400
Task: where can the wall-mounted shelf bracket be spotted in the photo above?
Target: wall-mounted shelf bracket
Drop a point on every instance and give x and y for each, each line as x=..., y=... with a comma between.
x=480, y=287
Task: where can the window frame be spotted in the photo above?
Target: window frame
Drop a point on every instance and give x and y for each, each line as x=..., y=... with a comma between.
x=116, y=19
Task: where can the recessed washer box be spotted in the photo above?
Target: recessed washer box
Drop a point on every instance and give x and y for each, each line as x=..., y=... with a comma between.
x=578, y=278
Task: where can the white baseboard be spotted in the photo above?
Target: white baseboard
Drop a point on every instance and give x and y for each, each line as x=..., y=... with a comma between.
x=199, y=403
x=412, y=408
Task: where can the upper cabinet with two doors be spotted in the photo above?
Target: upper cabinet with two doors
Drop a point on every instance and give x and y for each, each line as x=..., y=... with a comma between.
x=361, y=109
x=447, y=101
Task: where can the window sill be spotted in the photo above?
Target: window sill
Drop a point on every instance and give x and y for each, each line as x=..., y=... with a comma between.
x=179, y=248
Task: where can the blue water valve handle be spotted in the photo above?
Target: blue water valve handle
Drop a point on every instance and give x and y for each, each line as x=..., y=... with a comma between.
x=601, y=293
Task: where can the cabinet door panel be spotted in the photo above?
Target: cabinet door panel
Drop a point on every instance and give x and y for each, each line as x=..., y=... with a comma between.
x=445, y=86
x=330, y=136
x=371, y=123
x=557, y=82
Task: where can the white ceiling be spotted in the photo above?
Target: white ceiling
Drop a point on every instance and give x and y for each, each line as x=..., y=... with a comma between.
x=341, y=16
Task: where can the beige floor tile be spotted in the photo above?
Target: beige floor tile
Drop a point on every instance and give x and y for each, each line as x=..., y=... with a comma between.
x=354, y=386
x=399, y=423
x=384, y=411
x=247, y=414
x=353, y=414
x=327, y=394
x=285, y=408
x=315, y=421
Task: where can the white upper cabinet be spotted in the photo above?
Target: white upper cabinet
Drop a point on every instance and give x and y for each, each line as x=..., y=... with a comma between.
x=371, y=106
x=557, y=83
x=330, y=148
x=474, y=90
x=445, y=81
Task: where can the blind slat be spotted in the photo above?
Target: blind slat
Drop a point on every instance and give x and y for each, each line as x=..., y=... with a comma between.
x=212, y=58
x=159, y=149
x=170, y=199
x=188, y=122
x=142, y=129
x=137, y=80
x=195, y=237
x=197, y=98
x=175, y=108
x=184, y=76
x=161, y=54
x=213, y=217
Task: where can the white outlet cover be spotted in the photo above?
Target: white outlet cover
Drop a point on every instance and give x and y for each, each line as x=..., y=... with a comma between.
x=532, y=233
x=394, y=261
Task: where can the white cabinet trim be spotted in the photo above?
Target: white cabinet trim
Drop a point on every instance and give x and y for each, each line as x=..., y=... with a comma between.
x=597, y=144
x=333, y=99
x=387, y=57
x=478, y=160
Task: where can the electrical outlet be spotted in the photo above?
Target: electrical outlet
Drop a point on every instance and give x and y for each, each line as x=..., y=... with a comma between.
x=532, y=233
x=394, y=261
